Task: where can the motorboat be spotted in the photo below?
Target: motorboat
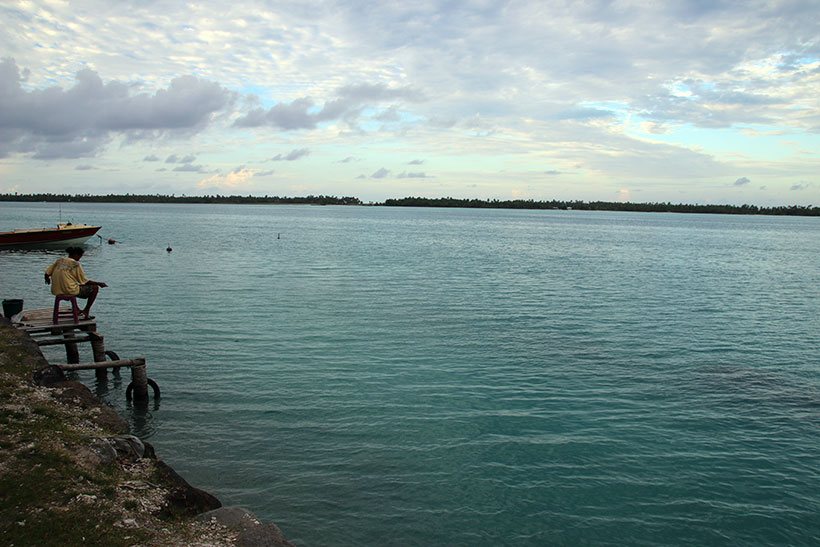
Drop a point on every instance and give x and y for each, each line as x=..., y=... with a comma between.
x=63, y=235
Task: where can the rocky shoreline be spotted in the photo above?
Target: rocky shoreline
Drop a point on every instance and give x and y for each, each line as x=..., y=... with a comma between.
x=71, y=473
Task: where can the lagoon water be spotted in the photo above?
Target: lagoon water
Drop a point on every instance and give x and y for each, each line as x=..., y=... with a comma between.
x=404, y=376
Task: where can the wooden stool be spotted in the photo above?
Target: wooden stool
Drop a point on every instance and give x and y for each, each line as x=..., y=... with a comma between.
x=75, y=309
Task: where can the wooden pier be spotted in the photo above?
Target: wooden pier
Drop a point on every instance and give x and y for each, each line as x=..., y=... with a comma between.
x=38, y=324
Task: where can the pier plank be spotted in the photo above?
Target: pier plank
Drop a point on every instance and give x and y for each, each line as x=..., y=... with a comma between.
x=119, y=363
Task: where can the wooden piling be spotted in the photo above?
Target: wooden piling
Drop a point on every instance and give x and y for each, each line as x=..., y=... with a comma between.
x=139, y=380
x=98, y=350
x=72, y=354
x=39, y=325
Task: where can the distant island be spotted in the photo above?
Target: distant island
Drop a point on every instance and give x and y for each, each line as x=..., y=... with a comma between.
x=790, y=210
x=795, y=210
x=160, y=198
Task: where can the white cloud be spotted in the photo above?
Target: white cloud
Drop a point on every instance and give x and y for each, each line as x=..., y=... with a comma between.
x=293, y=155
x=235, y=180
x=470, y=87
x=303, y=113
x=173, y=158
x=54, y=122
x=190, y=168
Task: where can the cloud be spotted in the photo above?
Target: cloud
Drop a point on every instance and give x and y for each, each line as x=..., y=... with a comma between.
x=582, y=113
x=80, y=121
x=264, y=173
x=190, y=168
x=152, y=157
x=412, y=176
x=552, y=172
x=380, y=174
x=654, y=128
x=597, y=149
x=627, y=105
x=293, y=155
x=348, y=159
x=742, y=181
x=390, y=114
x=84, y=167
x=287, y=116
x=237, y=178
x=173, y=158
x=303, y=113
x=800, y=186
x=415, y=162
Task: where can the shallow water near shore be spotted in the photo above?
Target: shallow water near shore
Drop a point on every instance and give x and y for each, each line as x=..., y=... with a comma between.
x=387, y=376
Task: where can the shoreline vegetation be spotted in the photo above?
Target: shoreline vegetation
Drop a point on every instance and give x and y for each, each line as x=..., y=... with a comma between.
x=659, y=207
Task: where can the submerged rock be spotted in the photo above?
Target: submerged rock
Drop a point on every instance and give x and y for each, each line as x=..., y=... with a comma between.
x=252, y=533
x=184, y=499
x=77, y=394
x=48, y=376
x=128, y=447
x=264, y=535
x=234, y=517
x=102, y=450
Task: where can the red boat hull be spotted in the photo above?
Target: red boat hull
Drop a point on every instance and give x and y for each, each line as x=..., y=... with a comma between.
x=47, y=237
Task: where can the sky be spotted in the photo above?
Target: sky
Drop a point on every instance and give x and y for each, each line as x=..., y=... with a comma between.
x=687, y=101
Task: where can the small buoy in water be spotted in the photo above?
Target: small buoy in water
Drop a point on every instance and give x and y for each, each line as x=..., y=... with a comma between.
x=277, y=236
x=169, y=249
x=111, y=240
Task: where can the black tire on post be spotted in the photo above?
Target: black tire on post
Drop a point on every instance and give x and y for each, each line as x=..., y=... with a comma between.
x=129, y=390
x=114, y=357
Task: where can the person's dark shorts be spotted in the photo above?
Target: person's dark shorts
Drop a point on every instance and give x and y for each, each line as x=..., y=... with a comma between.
x=85, y=291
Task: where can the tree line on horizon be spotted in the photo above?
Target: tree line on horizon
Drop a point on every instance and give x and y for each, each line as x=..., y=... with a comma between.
x=658, y=207
x=161, y=198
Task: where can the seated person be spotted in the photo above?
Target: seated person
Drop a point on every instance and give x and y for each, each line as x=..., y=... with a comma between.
x=67, y=277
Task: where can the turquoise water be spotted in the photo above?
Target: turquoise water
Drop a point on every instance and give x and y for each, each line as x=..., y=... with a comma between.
x=380, y=376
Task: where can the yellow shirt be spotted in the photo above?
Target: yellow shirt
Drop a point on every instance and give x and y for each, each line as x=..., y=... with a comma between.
x=66, y=276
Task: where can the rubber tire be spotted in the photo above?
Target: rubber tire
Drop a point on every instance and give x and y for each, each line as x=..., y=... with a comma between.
x=114, y=357
x=130, y=389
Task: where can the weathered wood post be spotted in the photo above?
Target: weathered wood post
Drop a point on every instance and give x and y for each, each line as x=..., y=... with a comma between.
x=139, y=379
x=98, y=350
x=72, y=354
